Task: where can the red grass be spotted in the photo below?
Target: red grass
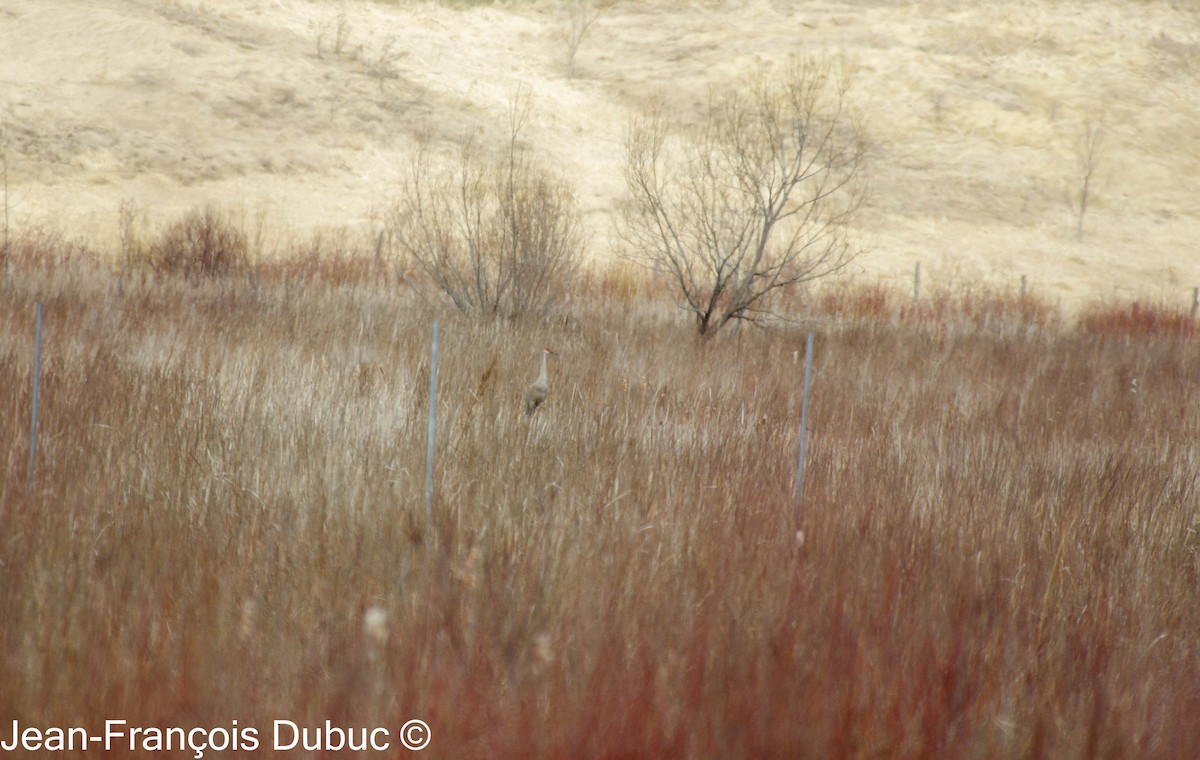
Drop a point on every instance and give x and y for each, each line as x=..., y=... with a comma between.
x=999, y=558
x=1137, y=319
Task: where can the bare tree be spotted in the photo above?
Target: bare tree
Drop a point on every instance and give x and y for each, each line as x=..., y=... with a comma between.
x=1088, y=154
x=581, y=14
x=759, y=199
x=498, y=236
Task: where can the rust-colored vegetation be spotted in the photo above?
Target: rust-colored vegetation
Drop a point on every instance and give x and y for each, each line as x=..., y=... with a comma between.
x=997, y=554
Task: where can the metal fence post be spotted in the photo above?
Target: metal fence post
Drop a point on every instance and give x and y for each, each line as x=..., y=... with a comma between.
x=37, y=373
x=808, y=352
x=433, y=369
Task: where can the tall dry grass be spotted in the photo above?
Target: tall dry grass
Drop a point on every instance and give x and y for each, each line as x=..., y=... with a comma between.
x=997, y=555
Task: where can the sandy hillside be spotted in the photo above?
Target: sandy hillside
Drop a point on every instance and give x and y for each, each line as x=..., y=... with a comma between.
x=308, y=111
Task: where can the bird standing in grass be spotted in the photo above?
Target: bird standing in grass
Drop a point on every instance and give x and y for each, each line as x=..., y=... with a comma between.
x=536, y=395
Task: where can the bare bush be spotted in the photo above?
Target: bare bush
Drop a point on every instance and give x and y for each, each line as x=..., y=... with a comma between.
x=339, y=28
x=759, y=199
x=498, y=236
x=204, y=243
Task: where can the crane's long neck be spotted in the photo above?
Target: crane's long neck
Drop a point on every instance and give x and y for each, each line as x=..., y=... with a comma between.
x=542, y=378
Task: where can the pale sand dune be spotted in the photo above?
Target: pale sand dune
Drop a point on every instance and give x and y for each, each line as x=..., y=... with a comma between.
x=975, y=111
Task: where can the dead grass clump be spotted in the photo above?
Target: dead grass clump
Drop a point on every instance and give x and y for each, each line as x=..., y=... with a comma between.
x=618, y=282
x=204, y=243
x=980, y=309
x=333, y=257
x=974, y=309
x=873, y=303
x=322, y=269
x=45, y=249
x=1136, y=319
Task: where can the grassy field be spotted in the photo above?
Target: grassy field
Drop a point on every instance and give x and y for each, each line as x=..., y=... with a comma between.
x=997, y=556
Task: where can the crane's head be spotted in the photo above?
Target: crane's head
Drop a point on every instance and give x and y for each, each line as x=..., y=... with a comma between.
x=549, y=351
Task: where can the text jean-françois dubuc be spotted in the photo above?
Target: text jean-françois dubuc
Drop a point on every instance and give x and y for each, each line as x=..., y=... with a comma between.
x=119, y=738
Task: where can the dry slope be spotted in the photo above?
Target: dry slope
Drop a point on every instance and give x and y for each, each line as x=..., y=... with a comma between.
x=308, y=111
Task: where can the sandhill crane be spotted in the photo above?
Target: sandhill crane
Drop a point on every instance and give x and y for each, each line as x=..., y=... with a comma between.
x=536, y=395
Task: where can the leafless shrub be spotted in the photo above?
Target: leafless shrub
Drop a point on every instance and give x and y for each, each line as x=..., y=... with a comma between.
x=336, y=256
x=204, y=243
x=382, y=64
x=498, y=236
x=758, y=200
x=339, y=29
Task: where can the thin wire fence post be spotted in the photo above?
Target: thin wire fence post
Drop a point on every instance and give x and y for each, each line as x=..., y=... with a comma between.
x=808, y=352
x=433, y=368
x=37, y=374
